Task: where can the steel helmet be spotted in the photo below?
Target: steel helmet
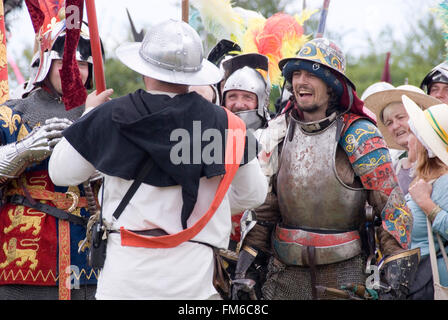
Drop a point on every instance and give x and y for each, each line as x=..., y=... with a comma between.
x=322, y=57
x=437, y=74
x=171, y=51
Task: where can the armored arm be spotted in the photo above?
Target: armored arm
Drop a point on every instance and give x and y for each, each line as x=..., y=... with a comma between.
x=35, y=147
x=255, y=244
x=371, y=162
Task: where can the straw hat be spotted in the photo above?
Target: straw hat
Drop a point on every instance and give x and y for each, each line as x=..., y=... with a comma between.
x=376, y=87
x=431, y=125
x=377, y=101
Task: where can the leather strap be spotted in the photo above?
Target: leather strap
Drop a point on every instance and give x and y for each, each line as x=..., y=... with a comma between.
x=312, y=264
x=133, y=188
x=60, y=200
x=52, y=211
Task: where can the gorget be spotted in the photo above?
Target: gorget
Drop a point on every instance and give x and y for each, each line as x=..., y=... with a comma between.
x=39, y=106
x=311, y=195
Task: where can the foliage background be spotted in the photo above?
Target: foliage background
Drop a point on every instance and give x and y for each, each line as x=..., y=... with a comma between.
x=412, y=56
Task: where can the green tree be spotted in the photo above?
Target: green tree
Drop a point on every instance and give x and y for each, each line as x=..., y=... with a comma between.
x=266, y=7
x=122, y=79
x=412, y=57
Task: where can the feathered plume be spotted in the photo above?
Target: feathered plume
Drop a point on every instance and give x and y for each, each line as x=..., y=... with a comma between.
x=277, y=37
x=442, y=12
x=219, y=18
x=280, y=36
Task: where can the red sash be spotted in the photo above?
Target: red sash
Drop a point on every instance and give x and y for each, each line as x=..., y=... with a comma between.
x=234, y=153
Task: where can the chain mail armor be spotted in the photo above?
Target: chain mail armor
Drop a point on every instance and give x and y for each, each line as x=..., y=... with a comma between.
x=48, y=117
x=39, y=106
x=291, y=279
x=294, y=283
x=31, y=255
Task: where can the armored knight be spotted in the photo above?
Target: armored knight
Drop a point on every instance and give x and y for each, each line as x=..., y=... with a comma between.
x=340, y=210
x=222, y=51
x=42, y=224
x=245, y=92
x=243, y=75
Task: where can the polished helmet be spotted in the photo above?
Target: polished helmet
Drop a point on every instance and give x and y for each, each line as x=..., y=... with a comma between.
x=172, y=52
x=437, y=74
x=244, y=72
x=52, y=47
x=321, y=57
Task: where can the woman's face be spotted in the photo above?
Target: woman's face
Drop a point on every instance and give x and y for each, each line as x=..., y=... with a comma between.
x=395, y=119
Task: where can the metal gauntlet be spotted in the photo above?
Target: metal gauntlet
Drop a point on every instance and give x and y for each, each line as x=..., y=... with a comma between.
x=397, y=274
x=35, y=147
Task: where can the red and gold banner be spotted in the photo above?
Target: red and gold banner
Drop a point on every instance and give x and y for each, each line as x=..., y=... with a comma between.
x=28, y=239
x=4, y=88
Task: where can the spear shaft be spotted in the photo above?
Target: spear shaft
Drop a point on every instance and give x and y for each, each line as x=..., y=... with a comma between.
x=323, y=19
x=185, y=11
x=95, y=44
x=4, y=86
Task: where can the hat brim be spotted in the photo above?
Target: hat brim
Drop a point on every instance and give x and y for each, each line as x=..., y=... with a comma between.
x=424, y=129
x=129, y=55
x=378, y=101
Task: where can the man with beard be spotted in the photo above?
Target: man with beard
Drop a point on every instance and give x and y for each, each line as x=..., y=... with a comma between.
x=333, y=189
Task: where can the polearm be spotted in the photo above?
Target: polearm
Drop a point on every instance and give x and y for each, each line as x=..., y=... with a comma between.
x=323, y=19
x=95, y=44
x=4, y=86
x=100, y=83
x=138, y=36
x=185, y=11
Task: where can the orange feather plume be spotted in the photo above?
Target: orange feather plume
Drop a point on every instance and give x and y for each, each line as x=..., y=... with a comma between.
x=280, y=36
x=277, y=37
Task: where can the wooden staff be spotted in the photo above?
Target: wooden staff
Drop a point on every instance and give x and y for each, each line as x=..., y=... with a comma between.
x=185, y=10
x=4, y=86
x=323, y=19
x=95, y=44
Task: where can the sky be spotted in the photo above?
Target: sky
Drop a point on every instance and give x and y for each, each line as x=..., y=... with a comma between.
x=357, y=20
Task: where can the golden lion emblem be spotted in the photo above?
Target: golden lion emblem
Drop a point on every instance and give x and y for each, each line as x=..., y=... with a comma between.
x=18, y=218
x=24, y=255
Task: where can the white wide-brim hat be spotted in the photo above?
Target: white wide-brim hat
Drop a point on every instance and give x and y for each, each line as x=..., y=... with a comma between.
x=378, y=101
x=171, y=51
x=431, y=126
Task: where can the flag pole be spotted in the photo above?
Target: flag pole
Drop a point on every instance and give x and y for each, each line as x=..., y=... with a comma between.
x=386, y=71
x=4, y=86
x=323, y=19
x=100, y=81
x=185, y=11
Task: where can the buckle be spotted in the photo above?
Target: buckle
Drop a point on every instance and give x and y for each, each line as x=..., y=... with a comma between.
x=17, y=199
x=75, y=200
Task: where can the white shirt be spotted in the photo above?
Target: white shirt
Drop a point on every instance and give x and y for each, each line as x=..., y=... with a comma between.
x=183, y=272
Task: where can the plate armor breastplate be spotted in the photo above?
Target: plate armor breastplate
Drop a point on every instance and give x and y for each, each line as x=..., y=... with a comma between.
x=310, y=193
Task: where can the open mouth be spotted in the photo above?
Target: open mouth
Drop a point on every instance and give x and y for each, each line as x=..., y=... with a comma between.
x=401, y=133
x=305, y=93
